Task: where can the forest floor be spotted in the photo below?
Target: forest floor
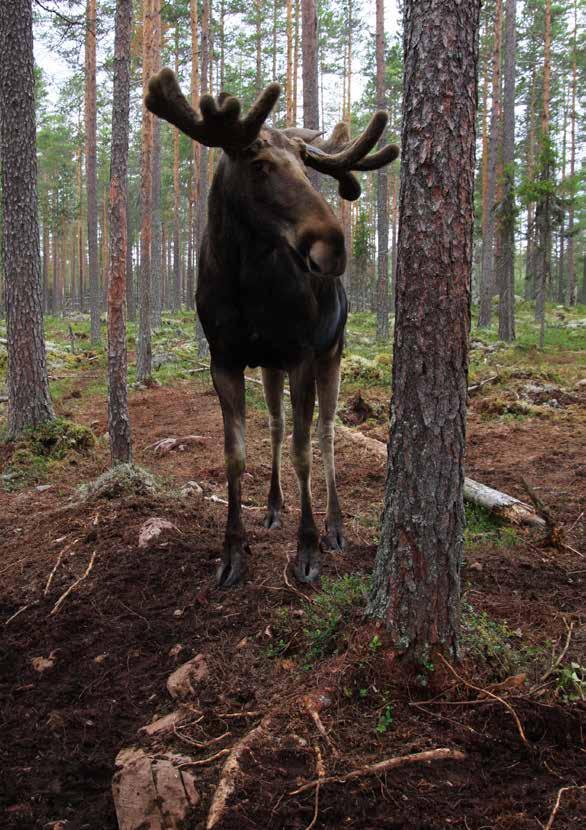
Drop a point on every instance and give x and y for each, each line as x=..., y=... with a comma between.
x=81, y=674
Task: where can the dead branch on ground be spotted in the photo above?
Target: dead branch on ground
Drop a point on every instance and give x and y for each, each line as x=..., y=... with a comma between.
x=441, y=754
x=73, y=586
x=556, y=806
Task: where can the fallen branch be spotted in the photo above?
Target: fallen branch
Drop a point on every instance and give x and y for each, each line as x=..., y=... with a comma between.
x=556, y=806
x=20, y=610
x=476, y=387
x=506, y=507
x=73, y=586
x=441, y=754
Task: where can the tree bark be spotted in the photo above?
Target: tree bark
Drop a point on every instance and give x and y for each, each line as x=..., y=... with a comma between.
x=118, y=417
x=416, y=581
x=543, y=209
x=571, y=266
x=487, y=267
x=90, y=169
x=157, y=218
x=144, y=350
x=202, y=343
x=310, y=72
x=29, y=401
x=506, y=227
x=382, y=191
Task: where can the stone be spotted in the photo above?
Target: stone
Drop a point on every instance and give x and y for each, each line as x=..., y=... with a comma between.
x=156, y=793
x=181, y=684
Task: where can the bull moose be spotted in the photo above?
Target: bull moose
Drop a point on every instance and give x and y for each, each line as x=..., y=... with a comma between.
x=269, y=292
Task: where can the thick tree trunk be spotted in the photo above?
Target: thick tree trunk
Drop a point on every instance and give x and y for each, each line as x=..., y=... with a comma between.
x=29, y=402
x=382, y=191
x=506, y=226
x=310, y=72
x=144, y=350
x=202, y=343
x=543, y=209
x=118, y=418
x=157, y=218
x=416, y=582
x=571, y=266
x=487, y=267
x=90, y=169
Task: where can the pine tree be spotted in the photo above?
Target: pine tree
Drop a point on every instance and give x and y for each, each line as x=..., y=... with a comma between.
x=29, y=401
x=416, y=582
x=118, y=417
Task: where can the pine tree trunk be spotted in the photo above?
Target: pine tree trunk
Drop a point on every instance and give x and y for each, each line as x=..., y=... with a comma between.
x=157, y=218
x=202, y=343
x=530, y=282
x=416, y=582
x=382, y=191
x=571, y=266
x=289, y=81
x=487, y=266
x=194, y=212
x=561, y=285
x=543, y=209
x=29, y=401
x=506, y=226
x=144, y=350
x=258, y=43
x=310, y=72
x=130, y=304
x=118, y=417
x=90, y=169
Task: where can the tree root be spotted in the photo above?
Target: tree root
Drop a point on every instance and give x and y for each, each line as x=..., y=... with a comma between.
x=556, y=806
x=441, y=754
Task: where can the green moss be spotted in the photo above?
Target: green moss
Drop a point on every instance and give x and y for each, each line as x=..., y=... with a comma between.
x=482, y=527
x=119, y=481
x=326, y=612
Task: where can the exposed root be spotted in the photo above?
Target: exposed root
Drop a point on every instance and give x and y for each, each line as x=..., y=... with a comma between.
x=230, y=772
x=321, y=772
x=556, y=806
x=73, y=586
x=205, y=761
x=486, y=692
x=441, y=754
x=65, y=550
x=313, y=703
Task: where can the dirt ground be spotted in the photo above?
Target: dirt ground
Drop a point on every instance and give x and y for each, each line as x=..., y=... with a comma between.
x=113, y=642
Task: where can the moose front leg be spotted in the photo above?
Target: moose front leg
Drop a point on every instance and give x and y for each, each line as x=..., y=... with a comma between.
x=229, y=385
x=273, y=383
x=328, y=386
x=302, y=385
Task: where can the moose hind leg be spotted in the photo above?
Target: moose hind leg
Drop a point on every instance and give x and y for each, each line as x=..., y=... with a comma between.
x=273, y=383
x=328, y=385
x=302, y=384
x=229, y=385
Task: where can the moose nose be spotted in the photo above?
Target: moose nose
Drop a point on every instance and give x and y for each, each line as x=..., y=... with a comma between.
x=327, y=258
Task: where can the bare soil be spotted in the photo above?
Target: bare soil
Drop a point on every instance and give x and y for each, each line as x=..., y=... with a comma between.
x=112, y=644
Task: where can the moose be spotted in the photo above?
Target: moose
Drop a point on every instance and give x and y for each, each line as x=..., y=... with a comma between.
x=269, y=292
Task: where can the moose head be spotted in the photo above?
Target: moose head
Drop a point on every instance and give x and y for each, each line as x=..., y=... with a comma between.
x=265, y=169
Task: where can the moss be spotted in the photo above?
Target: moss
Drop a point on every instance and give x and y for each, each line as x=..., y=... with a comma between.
x=119, y=481
x=24, y=469
x=356, y=368
x=57, y=438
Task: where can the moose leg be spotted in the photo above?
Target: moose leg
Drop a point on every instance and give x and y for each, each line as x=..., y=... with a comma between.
x=328, y=385
x=302, y=384
x=229, y=385
x=273, y=382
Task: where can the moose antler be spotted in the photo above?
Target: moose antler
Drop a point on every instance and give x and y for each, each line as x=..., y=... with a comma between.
x=338, y=156
x=220, y=124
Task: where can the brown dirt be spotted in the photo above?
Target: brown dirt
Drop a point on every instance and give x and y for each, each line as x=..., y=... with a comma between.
x=110, y=643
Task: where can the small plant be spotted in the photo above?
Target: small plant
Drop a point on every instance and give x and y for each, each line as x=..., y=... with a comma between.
x=375, y=644
x=494, y=643
x=571, y=682
x=385, y=721
x=325, y=614
x=274, y=650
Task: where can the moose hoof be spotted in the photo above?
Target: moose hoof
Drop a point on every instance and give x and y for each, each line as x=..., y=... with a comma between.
x=334, y=539
x=306, y=567
x=272, y=520
x=233, y=568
